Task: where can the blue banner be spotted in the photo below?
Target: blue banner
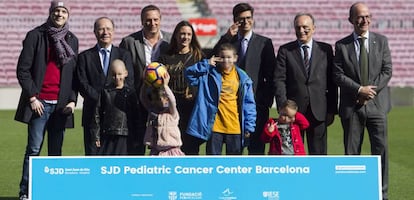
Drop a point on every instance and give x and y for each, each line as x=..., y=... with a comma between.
x=205, y=177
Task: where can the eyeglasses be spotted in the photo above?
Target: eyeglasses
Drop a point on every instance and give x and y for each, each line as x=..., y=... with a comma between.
x=366, y=17
x=242, y=19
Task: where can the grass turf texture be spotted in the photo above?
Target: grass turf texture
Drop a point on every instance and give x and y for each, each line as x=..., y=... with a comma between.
x=400, y=136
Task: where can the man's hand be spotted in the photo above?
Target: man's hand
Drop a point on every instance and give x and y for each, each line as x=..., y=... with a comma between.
x=232, y=31
x=367, y=92
x=37, y=106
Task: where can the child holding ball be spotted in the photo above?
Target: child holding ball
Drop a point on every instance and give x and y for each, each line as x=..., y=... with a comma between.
x=162, y=135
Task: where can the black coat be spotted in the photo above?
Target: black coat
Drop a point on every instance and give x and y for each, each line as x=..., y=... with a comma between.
x=317, y=90
x=116, y=112
x=31, y=69
x=91, y=78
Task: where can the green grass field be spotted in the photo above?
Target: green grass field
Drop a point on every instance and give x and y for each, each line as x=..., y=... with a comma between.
x=401, y=138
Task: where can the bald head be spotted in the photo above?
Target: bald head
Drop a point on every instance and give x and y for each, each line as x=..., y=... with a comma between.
x=360, y=18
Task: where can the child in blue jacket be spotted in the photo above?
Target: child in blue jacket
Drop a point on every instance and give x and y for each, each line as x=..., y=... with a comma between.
x=224, y=110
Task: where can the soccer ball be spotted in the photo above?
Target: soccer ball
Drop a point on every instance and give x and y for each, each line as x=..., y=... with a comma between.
x=154, y=73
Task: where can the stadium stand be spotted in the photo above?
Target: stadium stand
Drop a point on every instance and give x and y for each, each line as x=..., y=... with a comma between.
x=392, y=18
x=273, y=18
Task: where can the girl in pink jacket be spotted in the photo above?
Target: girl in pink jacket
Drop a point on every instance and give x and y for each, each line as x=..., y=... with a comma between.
x=284, y=133
x=162, y=135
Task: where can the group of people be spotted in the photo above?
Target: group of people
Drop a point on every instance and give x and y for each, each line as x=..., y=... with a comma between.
x=221, y=98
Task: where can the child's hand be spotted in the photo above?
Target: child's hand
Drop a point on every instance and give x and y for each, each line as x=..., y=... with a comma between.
x=98, y=143
x=213, y=60
x=166, y=79
x=271, y=126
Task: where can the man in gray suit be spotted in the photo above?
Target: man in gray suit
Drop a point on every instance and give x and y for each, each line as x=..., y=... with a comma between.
x=304, y=74
x=146, y=46
x=362, y=70
x=256, y=55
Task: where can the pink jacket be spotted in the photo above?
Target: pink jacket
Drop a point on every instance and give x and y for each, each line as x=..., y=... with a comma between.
x=167, y=134
x=274, y=138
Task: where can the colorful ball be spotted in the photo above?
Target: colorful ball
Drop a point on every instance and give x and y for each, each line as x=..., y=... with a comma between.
x=154, y=73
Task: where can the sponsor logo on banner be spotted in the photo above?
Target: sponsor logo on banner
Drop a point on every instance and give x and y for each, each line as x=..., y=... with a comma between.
x=351, y=169
x=227, y=194
x=204, y=26
x=271, y=195
x=174, y=195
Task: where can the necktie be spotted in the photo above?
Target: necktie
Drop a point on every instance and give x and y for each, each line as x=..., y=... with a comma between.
x=306, y=58
x=243, y=48
x=105, y=57
x=363, y=61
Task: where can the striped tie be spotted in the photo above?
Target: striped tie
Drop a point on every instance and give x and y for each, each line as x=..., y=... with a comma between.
x=306, y=58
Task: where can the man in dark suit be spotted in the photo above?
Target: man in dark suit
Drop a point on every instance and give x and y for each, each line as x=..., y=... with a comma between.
x=146, y=46
x=304, y=74
x=93, y=74
x=362, y=70
x=257, y=57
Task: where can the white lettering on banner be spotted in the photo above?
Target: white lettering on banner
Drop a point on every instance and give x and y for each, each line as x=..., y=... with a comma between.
x=193, y=170
x=206, y=28
x=147, y=170
x=282, y=170
x=233, y=170
x=114, y=170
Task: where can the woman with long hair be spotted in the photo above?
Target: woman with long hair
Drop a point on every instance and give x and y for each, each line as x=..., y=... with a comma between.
x=184, y=51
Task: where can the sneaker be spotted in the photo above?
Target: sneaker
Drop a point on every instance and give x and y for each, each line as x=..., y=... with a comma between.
x=23, y=197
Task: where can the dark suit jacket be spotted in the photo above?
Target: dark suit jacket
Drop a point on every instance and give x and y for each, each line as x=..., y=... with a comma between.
x=259, y=65
x=31, y=69
x=347, y=72
x=91, y=78
x=316, y=90
x=135, y=44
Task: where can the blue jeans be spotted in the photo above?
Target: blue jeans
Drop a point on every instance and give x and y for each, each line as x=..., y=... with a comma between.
x=215, y=144
x=36, y=132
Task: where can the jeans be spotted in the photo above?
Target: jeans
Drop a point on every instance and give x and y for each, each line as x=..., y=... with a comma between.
x=36, y=132
x=232, y=141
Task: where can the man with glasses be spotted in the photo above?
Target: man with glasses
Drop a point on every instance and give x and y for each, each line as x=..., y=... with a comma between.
x=362, y=70
x=256, y=56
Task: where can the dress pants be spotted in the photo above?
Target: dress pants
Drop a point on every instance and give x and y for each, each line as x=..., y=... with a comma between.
x=375, y=120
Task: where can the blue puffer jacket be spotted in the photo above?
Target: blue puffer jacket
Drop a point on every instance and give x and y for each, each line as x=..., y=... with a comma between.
x=208, y=80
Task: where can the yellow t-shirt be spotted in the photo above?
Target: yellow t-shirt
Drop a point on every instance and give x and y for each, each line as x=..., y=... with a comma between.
x=227, y=118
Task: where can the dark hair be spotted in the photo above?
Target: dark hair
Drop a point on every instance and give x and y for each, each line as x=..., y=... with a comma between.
x=228, y=46
x=195, y=47
x=149, y=8
x=303, y=14
x=241, y=7
x=95, y=25
x=290, y=104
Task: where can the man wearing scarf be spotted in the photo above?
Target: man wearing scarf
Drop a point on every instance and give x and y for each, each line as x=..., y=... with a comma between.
x=45, y=72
